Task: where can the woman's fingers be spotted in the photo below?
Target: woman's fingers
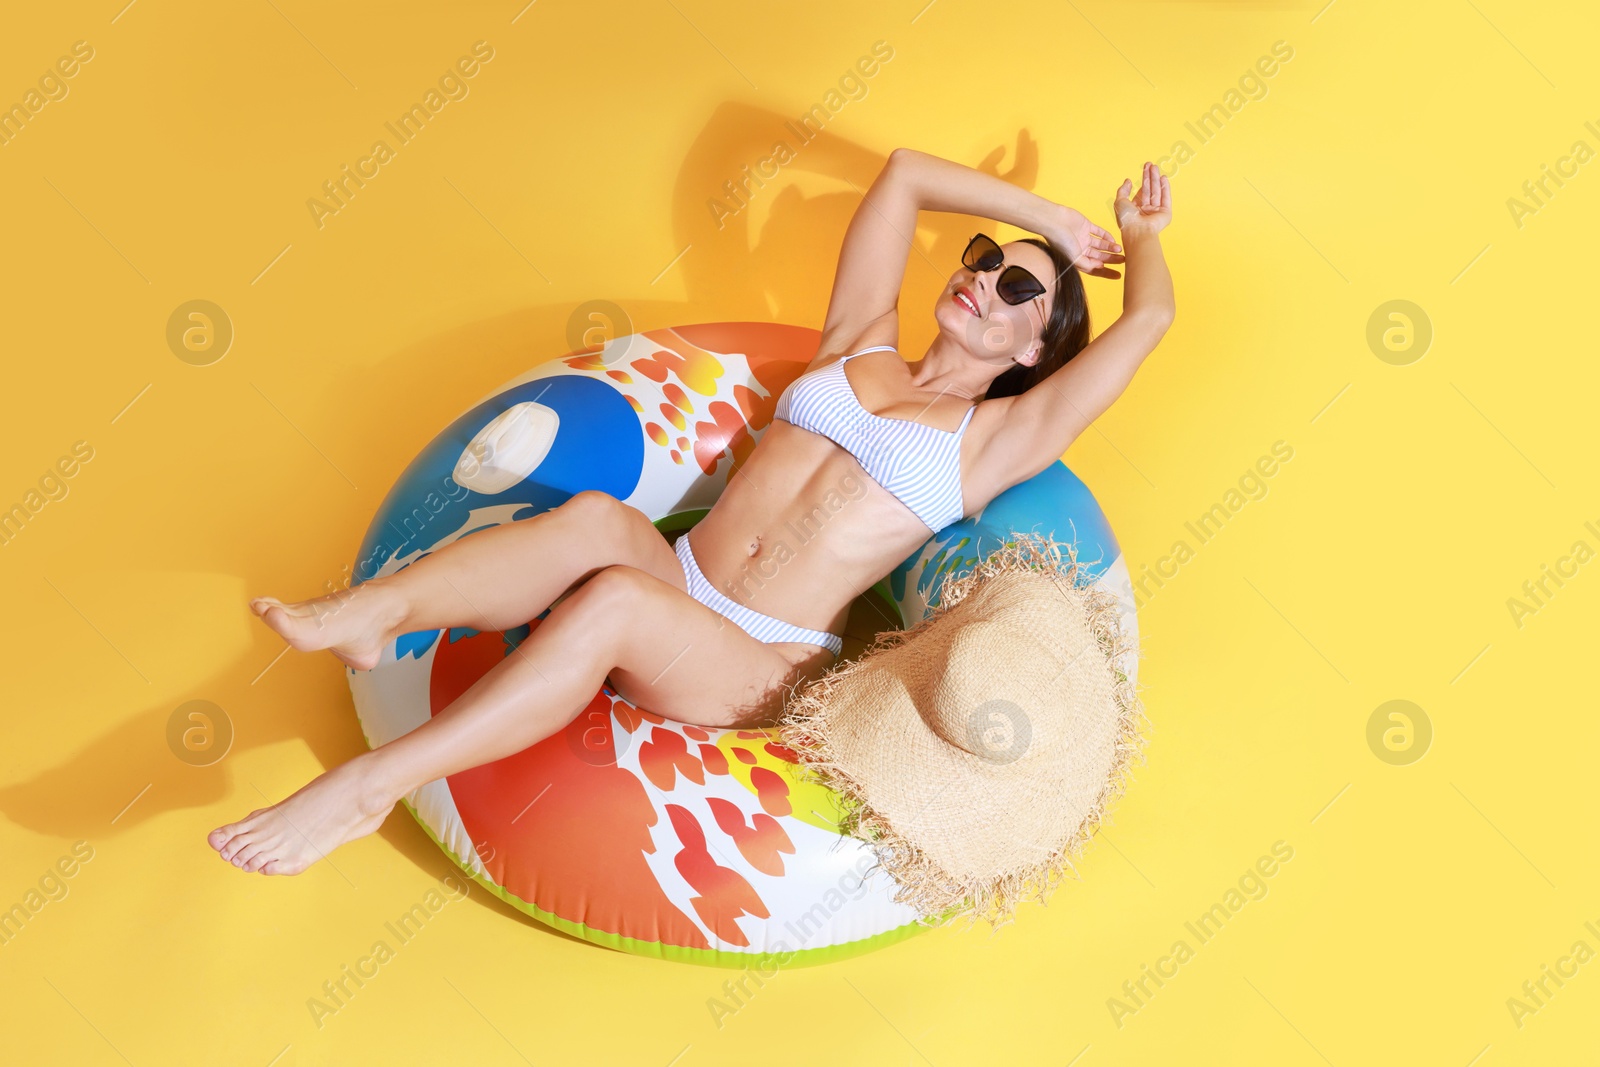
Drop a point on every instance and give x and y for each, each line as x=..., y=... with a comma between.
x=1096, y=262
x=1153, y=197
x=1097, y=238
x=1103, y=252
x=1092, y=244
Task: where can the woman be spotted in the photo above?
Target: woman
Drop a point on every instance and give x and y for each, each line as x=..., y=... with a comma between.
x=718, y=630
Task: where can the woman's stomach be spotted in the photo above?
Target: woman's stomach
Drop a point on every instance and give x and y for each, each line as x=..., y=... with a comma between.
x=801, y=531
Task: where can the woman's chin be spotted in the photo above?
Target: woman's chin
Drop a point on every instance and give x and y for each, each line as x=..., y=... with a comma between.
x=963, y=328
x=954, y=321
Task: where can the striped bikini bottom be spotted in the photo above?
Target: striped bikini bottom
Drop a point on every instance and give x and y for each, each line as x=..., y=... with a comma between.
x=763, y=628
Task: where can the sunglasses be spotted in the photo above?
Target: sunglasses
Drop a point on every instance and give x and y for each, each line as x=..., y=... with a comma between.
x=1015, y=285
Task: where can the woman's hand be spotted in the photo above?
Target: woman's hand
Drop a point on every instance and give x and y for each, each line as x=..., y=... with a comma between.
x=1089, y=247
x=1149, y=210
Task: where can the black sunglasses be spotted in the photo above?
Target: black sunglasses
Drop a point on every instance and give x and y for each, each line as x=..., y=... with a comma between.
x=1016, y=285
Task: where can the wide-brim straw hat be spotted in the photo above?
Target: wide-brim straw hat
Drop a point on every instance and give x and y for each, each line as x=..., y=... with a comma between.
x=979, y=750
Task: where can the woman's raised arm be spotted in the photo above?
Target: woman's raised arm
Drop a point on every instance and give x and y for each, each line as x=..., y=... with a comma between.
x=877, y=244
x=1041, y=423
x=872, y=260
x=940, y=185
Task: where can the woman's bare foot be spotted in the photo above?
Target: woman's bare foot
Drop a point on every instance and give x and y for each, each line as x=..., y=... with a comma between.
x=333, y=808
x=354, y=624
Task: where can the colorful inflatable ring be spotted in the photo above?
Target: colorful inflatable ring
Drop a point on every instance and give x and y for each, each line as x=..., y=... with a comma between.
x=652, y=836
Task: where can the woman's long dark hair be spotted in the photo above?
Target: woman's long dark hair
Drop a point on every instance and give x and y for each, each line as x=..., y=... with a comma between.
x=1065, y=335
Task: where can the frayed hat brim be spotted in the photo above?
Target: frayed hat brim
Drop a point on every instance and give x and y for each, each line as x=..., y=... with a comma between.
x=938, y=894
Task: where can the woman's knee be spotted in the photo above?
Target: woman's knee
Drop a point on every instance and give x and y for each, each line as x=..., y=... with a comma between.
x=590, y=503
x=612, y=592
x=599, y=515
x=597, y=508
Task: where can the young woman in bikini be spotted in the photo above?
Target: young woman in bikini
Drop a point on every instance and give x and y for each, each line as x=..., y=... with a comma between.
x=1009, y=382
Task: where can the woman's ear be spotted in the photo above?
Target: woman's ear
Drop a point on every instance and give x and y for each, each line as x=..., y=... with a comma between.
x=1030, y=357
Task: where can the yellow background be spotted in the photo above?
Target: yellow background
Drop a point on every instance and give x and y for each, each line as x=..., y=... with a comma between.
x=1378, y=566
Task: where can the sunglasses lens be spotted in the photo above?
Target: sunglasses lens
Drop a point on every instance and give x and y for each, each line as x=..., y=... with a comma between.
x=982, y=254
x=1017, y=286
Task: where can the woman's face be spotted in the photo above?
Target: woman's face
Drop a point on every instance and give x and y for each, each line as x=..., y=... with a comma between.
x=997, y=330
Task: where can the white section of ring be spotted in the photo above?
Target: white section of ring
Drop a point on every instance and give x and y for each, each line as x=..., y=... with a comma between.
x=508, y=449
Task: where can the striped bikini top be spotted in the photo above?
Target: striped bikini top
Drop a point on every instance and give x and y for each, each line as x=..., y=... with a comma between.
x=919, y=465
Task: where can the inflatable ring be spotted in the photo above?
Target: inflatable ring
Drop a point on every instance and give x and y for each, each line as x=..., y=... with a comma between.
x=651, y=836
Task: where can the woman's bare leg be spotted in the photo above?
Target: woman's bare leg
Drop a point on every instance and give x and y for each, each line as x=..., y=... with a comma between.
x=492, y=580
x=705, y=670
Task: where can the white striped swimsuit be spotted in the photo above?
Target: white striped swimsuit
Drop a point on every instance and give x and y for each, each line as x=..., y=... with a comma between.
x=919, y=465
x=763, y=628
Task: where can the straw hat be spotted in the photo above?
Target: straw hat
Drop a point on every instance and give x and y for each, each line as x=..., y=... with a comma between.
x=978, y=751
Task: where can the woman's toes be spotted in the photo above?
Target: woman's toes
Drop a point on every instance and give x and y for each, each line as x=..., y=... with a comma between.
x=356, y=634
x=278, y=617
x=227, y=838
x=288, y=865
x=330, y=810
x=289, y=620
x=222, y=840
x=235, y=845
